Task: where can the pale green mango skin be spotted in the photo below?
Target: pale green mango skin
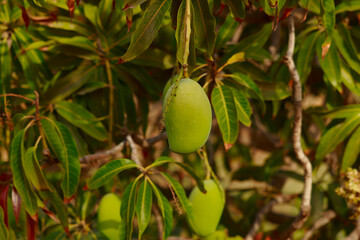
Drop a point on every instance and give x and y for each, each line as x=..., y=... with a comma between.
x=109, y=216
x=207, y=208
x=188, y=117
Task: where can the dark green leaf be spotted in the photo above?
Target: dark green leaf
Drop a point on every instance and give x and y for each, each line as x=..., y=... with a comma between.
x=352, y=150
x=225, y=32
x=330, y=64
x=165, y=209
x=346, y=47
x=143, y=206
x=5, y=64
x=62, y=144
x=272, y=91
x=306, y=54
x=223, y=102
x=17, y=153
x=82, y=118
x=4, y=234
x=204, y=27
x=127, y=210
x=33, y=170
x=68, y=84
x=108, y=171
x=147, y=29
x=163, y=160
x=77, y=41
x=329, y=15
x=133, y=3
x=335, y=136
x=237, y=8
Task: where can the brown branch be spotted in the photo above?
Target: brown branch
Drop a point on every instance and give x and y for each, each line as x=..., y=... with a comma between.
x=19, y=96
x=145, y=143
x=103, y=154
x=134, y=151
x=325, y=218
x=296, y=137
x=355, y=234
x=263, y=211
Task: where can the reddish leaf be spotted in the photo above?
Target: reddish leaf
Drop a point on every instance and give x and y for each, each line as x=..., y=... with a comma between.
x=239, y=20
x=51, y=215
x=85, y=188
x=67, y=200
x=305, y=16
x=120, y=61
x=31, y=225
x=286, y=13
x=25, y=16
x=222, y=6
x=3, y=203
x=125, y=7
x=113, y=4
x=77, y=2
x=71, y=6
x=325, y=49
x=16, y=203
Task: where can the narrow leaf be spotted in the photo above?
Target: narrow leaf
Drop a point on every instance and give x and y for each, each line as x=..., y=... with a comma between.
x=348, y=111
x=21, y=183
x=33, y=170
x=147, y=29
x=225, y=32
x=127, y=210
x=349, y=5
x=243, y=108
x=237, y=9
x=108, y=171
x=143, y=206
x=204, y=27
x=352, y=151
x=64, y=148
x=165, y=209
x=223, y=102
x=82, y=118
x=335, y=136
x=329, y=15
x=4, y=234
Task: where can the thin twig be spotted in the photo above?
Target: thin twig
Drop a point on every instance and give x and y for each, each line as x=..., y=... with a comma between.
x=296, y=137
x=104, y=154
x=262, y=213
x=145, y=143
x=355, y=234
x=325, y=218
x=19, y=96
x=111, y=101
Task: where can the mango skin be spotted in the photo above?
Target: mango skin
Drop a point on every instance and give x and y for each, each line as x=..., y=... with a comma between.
x=188, y=117
x=109, y=216
x=207, y=208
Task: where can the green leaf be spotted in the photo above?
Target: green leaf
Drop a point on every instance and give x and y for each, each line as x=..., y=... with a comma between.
x=225, y=32
x=163, y=160
x=272, y=91
x=82, y=118
x=251, y=43
x=352, y=151
x=334, y=136
x=347, y=6
x=237, y=8
x=329, y=15
x=71, y=24
x=204, y=27
x=145, y=33
x=127, y=210
x=4, y=234
x=33, y=170
x=143, y=206
x=269, y=9
x=349, y=80
x=77, y=41
x=133, y=3
x=165, y=209
x=154, y=57
x=17, y=153
x=243, y=108
x=330, y=64
x=108, y=171
x=67, y=85
x=5, y=64
x=237, y=57
x=105, y=10
x=62, y=144
x=58, y=204
x=223, y=102
x=185, y=47
x=306, y=55
x=346, y=47
x=348, y=111
x=181, y=195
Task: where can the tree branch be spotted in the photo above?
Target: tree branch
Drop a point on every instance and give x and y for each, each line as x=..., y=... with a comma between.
x=296, y=137
x=262, y=213
x=325, y=218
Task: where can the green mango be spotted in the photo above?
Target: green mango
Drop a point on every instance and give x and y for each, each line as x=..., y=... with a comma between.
x=109, y=216
x=207, y=208
x=188, y=117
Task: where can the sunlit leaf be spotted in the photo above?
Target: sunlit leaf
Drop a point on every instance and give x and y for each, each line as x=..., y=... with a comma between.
x=349, y=5
x=243, y=108
x=352, y=151
x=143, y=206
x=33, y=170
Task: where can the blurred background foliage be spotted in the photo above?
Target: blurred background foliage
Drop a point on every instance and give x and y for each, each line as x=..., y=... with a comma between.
x=87, y=104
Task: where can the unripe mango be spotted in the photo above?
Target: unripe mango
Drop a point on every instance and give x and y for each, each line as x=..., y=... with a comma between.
x=207, y=208
x=187, y=116
x=109, y=216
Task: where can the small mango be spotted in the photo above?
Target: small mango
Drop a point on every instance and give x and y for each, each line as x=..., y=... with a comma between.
x=109, y=216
